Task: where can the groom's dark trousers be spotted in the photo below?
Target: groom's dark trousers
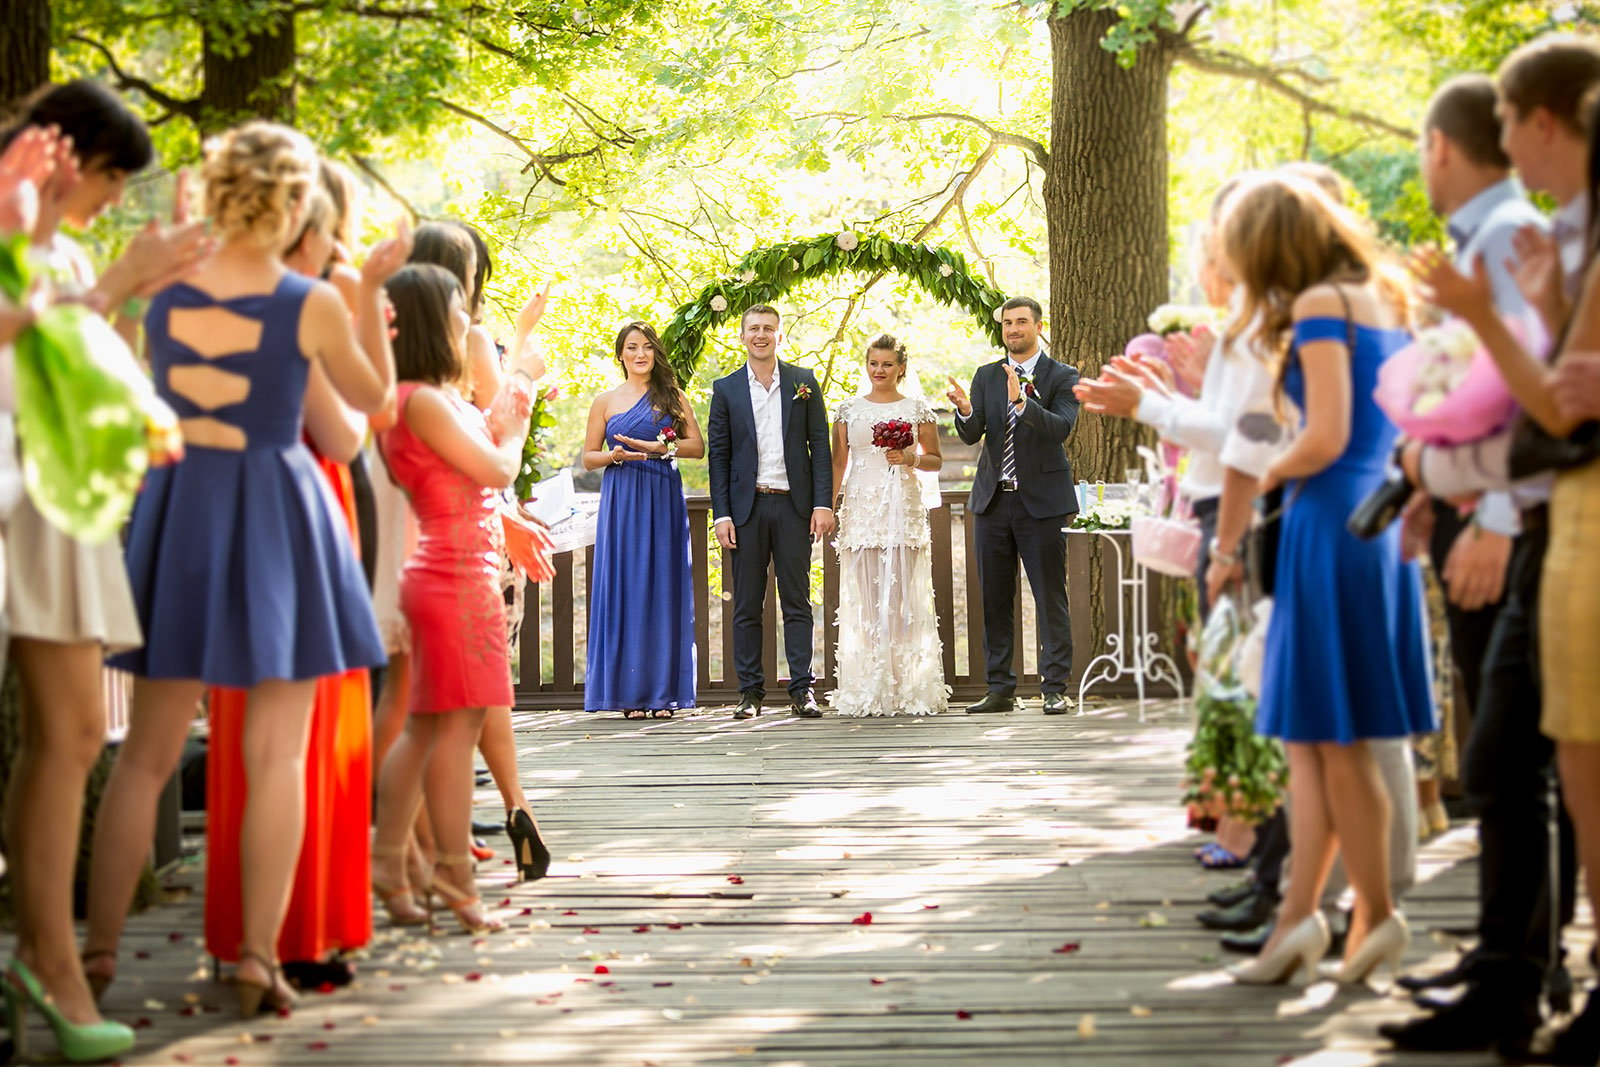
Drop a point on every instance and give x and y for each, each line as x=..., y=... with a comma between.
x=776, y=532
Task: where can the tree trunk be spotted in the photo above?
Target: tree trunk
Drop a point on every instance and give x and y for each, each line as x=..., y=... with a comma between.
x=248, y=72
x=25, y=44
x=1105, y=196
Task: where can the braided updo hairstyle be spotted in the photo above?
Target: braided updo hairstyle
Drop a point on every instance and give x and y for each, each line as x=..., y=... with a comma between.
x=257, y=177
x=886, y=342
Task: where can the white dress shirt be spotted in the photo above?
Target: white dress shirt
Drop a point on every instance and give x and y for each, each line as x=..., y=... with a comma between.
x=767, y=406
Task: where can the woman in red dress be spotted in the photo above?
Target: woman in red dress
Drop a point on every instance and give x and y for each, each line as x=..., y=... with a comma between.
x=450, y=460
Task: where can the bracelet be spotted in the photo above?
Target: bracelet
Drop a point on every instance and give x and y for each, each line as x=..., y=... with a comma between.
x=616, y=459
x=1227, y=559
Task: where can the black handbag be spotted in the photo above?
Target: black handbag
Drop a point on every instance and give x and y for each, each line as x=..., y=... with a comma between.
x=1535, y=451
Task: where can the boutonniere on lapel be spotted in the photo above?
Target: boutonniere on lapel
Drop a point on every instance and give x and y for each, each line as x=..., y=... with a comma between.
x=802, y=391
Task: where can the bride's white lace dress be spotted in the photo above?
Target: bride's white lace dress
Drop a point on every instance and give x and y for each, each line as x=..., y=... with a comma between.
x=889, y=659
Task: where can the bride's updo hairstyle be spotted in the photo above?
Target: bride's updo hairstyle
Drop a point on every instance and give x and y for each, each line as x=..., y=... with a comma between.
x=257, y=178
x=886, y=342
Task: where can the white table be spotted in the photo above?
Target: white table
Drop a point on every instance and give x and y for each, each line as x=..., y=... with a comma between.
x=1131, y=648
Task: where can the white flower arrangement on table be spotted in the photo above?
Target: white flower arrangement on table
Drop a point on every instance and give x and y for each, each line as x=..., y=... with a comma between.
x=1180, y=318
x=1106, y=515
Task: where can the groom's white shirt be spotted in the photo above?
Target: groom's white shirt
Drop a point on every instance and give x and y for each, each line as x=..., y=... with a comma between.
x=767, y=406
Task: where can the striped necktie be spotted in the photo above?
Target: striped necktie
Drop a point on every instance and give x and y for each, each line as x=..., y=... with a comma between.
x=1008, y=463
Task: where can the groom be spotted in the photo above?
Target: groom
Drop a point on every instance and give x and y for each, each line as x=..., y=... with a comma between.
x=1023, y=409
x=771, y=495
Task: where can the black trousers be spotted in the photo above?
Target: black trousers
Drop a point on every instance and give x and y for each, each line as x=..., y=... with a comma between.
x=1006, y=535
x=775, y=533
x=1205, y=513
x=1469, y=630
x=1508, y=774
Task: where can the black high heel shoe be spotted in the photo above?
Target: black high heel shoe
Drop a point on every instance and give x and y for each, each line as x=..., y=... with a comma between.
x=533, y=859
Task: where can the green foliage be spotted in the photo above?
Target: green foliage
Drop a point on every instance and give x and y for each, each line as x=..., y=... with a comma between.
x=536, y=446
x=765, y=275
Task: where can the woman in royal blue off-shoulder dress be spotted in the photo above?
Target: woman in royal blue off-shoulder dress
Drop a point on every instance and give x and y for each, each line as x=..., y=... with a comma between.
x=1346, y=652
x=641, y=613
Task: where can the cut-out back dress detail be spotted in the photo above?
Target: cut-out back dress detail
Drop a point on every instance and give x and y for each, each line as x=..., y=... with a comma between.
x=241, y=564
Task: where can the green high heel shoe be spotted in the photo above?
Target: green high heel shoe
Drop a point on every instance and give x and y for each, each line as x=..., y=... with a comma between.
x=88, y=1043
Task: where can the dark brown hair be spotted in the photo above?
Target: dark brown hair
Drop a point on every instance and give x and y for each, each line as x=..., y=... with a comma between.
x=663, y=391
x=105, y=132
x=482, y=266
x=1024, y=302
x=424, y=350
x=886, y=342
x=446, y=245
x=1463, y=112
x=759, y=309
x=1553, y=72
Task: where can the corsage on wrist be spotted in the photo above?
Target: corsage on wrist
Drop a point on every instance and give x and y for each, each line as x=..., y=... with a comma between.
x=668, y=437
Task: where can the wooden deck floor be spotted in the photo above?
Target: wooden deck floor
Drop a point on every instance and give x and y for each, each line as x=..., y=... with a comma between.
x=711, y=898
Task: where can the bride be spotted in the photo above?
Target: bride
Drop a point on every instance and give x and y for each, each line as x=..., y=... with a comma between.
x=889, y=657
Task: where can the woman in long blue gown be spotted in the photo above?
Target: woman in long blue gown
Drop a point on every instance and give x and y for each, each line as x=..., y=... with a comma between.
x=641, y=613
x=1346, y=653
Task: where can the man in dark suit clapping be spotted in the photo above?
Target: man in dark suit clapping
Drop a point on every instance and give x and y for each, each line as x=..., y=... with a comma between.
x=771, y=495
x=1023, y=409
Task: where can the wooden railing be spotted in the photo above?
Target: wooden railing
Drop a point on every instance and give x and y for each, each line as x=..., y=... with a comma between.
x=554, y=636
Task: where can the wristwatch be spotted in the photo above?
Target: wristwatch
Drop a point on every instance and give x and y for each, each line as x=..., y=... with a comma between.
x=1227, y=559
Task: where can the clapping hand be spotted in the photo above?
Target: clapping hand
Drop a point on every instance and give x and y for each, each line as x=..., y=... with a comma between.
x=161, y=255
x=1462, y=295
x=1188, y=354
x=1115, y=393
x=387, y=256
x=958, y=397
x=1576, y=387
x=1013, y=383
x=25, y=167
x=508, y=414
x=1537, y=272
x=528, y=318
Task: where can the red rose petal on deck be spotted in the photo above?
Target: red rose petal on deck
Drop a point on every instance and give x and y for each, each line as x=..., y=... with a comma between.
x=643, y=928
x=141, y=955
x=506, y=903
x=188, y=1009
x=864, y=919
x=231, y=1060
x=674, y=926
x=284, y=1013
x=734, y=879
x=325, y=988
x=174, y=936
x=604, y=985
x=878, y=981
x=601, y=968
x=569, y=911
x=474, y=976
x=261, y=1039
x=659, y=985
x=183, y=1057
x=963, y=1015
x=591, y=929
x=397, y=987
x=330, y=1025
x=317, y=1046
x=583, y=979
x=1069, y=947
x=142, y=1023
x=930, y=907
x=525, y=911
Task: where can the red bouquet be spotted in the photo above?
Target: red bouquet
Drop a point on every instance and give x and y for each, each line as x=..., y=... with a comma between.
x=893, y=434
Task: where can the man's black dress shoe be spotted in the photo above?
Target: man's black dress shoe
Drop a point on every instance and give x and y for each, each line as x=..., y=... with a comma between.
x=1248, y=914
x=992, y=702
x=1249, y=943
x=1481, y=1020
x=749, y=706
x=1461, y=972
x=1058, y=704
x=1228, y=896
x=484, y=829
x=805, y=706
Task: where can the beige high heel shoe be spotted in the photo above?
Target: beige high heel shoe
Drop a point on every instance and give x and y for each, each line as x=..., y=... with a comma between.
x=252, y=995
x=1300, y=950
x=459, y=901
x=1386, y=943
x=397, y=900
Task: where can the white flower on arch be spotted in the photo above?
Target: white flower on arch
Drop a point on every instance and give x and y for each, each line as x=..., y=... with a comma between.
x=719, y=303
x=847, y=241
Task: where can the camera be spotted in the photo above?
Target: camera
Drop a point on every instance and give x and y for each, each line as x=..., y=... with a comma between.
x=1381, y=507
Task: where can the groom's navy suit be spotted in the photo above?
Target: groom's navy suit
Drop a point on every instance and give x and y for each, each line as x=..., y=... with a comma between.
x=1023, y=520
x=770, y=526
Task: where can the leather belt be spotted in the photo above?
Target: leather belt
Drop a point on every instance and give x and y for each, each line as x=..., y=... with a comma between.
x=769, y=489
x=1007, y=485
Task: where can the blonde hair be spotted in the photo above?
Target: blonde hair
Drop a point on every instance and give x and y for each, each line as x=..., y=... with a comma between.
x=1282, y=235
x=344, y=191
x=257, y=178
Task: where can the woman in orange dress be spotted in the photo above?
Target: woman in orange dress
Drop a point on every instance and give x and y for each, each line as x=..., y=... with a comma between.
x=330, y=909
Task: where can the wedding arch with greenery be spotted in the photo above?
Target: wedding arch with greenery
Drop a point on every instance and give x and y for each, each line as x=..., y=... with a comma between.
x=765, y=274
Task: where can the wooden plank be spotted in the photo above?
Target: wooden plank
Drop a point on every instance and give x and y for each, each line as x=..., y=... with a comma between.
x=977, y=663
x=561, y=610
x=700, y=583
x=944, y=600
